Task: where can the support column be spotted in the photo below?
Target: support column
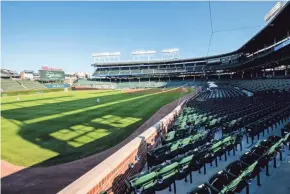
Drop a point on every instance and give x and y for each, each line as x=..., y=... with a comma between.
x=183, y=78
x=243, y=75
x=273, y=72
x=219, y=76
x=194, y=77
x=286, y=70
x=263, y=72
x=231, y=76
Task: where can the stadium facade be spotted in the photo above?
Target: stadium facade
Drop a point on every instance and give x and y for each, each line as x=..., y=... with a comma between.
x=269, y=48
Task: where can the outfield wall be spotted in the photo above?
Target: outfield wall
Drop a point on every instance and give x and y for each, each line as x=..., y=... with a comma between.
x=87, y=88
x=52, y=86
x=110, y=174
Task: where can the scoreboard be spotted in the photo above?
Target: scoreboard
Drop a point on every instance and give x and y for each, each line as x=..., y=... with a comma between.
x=46, y=75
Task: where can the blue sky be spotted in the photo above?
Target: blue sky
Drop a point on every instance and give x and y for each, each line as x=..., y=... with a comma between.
x=65, y=34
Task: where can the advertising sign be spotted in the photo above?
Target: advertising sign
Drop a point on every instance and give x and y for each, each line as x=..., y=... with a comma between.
x=45, y=68
x=57, y=86
x=51, y=75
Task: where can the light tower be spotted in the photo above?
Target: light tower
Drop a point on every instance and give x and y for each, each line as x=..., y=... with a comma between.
x=143, y=55
x=170, y=53
x=106, y=56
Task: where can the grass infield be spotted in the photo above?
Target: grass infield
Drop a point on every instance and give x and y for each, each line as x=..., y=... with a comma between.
x=52, y=128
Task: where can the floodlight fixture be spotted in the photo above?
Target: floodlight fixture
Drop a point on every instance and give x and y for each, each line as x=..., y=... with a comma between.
x=141, y=54
x=106, y=56
x=170, y=53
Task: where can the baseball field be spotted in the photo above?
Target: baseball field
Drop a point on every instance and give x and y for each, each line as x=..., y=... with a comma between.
x=53, y=128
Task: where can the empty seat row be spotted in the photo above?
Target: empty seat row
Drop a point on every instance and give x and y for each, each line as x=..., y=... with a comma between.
x=238, y=174
x=260, y=84
x=171, y=150
x=220, y=92
x=32, y=85
x=11, y=85
x=164, y=175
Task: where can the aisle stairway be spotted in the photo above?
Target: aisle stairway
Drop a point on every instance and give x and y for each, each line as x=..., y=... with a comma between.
x=31, y=85
x=11, y=85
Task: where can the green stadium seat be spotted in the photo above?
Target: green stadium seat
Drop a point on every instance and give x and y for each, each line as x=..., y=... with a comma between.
x=166, y=176
x=143, y=183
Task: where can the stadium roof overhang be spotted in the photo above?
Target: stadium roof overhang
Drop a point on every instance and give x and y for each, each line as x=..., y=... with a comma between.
x=274, y=31
x=272, y=59
x=277, y=29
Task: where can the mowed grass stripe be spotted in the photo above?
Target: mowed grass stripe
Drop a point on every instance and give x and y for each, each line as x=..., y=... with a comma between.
x=79, y=101
x=49, y=98
x=79, y=134
x=102, y=105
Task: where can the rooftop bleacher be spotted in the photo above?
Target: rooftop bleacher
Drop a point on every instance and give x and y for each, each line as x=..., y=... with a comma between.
x=9, y=73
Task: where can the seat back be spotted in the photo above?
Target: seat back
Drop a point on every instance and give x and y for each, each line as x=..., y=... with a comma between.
x=249, y=158
x=144, y=182
x=219, y=180
x=168, y=171
x=201, y=189
x=236, y=168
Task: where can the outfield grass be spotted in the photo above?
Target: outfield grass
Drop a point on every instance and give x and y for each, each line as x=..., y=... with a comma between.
x=52, y=128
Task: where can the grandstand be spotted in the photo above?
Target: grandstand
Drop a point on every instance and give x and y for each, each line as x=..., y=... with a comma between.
x=188, y=148
x=262, y=84
x=221, y=92
x=135, y=84
x=198, y=152
x=28, y=80
x=231, y=135
x=11, y=85
x=94, y=84
x=31, y=85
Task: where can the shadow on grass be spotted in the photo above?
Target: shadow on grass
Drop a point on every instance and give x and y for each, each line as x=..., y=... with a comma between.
x=126, y=116
x=80, y=134
x=38, y=111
